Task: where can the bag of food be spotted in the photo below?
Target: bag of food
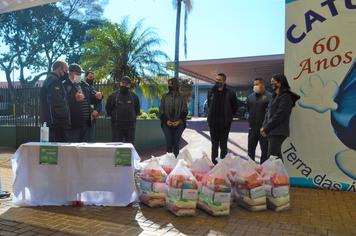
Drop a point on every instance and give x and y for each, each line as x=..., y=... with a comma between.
x=152, y=184
x=185, y=155
x=182, y=195
x=201, y=166
x=168, y=162
x=250, y=190
x=277, y=184
x=215, y=193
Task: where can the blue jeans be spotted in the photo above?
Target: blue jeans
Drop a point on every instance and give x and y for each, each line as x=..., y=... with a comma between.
x=173, y=137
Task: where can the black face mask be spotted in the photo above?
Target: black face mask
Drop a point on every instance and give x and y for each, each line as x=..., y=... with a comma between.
x=65, y=76
x=219, y=84
x=274, y=87
x=124, y=89
x=90, y=81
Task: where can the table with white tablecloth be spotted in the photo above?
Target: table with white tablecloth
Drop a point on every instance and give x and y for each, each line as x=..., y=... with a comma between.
x=85, y=172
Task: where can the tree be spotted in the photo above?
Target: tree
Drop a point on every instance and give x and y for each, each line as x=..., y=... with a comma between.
x=53, y=31
x=116, y=51
x=187, y=8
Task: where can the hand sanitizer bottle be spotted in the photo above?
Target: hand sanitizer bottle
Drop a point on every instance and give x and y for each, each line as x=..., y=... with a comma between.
x=44, y=133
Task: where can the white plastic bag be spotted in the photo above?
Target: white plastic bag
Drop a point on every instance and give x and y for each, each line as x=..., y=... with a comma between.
x=182, y=193
x=215, y=194
x=277, y=181
x=152, y=184
x=168, y=162
x=201, y=166
x=185, y=155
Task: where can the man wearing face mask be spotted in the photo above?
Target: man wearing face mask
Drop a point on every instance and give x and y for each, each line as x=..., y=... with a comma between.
x=173, y=112
x=123, y=106
x=79, y=103
x=257, y=104
x=96, y=103
x=222, y=106
x=54, y=105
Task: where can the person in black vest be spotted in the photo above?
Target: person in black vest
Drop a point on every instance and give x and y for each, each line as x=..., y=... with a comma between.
x=123, y=106
x=54, y=105
x=222, y=106
x=173, y=112
x=276, y=123
x=79, y=103
x=96, y=104
x=257, y=104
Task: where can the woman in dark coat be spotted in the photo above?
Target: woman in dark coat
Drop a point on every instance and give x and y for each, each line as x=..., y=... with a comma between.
x=173, y=114
x=276, y=124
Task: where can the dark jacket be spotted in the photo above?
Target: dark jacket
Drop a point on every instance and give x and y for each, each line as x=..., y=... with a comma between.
x=279, y=110
x=173, y=107
x=123, y=109
x=96, y=104
x=80, y=111
x=257, y=105
x=228, y=105
x=54, y=105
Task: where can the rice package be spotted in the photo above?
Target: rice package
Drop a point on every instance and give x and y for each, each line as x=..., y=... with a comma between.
x=201, y=166
x=168, y=162
x=186, y=156
x=182, y=194
x=215, y=192
x=250, y=189
x=277, y=184
x=152, y=184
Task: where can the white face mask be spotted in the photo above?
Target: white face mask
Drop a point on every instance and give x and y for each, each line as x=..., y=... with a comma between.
x=257, y=89
x=77, y=79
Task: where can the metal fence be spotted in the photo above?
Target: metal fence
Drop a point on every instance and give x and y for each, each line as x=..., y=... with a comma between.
x=21, y=107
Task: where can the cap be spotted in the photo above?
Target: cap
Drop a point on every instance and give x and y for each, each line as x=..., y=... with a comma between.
x=126, y=79
x=75, y=68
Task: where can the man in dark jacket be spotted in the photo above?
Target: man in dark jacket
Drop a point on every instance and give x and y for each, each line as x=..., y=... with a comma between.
x=96, y=104
x=257, y=104
x=123, y=106
x=79, y=103
x=222, y=106
x=54, y=105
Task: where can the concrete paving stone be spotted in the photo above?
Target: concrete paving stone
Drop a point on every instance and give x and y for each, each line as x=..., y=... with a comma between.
x=7, y=233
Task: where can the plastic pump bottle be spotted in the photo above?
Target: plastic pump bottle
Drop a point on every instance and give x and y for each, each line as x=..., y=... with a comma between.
x=44, y=133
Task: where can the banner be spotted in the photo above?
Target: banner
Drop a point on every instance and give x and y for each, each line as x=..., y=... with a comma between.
x=320, y=65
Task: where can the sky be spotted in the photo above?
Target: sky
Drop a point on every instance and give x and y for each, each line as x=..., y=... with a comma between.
x=216, y=29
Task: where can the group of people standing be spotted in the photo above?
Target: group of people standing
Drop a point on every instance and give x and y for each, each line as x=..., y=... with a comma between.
x=71, y=105
x=269, y=116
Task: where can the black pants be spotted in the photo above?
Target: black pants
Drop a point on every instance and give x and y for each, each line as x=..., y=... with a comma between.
x=219, y=134
x=91, y=132
x=173, y=137
x=58, y=135
x=79, y=135
x=254, y=137
x=275, y=145
x=124, y=134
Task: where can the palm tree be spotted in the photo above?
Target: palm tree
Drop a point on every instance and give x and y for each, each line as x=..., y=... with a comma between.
x=188, y=7
x=116, y=51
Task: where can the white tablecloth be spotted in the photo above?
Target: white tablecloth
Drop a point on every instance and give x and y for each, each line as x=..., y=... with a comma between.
x=84, y=172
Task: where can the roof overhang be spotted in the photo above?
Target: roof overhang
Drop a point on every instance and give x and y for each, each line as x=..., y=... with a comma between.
x=15, y=5
x=240, y=71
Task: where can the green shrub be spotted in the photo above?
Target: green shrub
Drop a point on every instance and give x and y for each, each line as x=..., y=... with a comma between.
x=152, y=116
x=153, y=110
x=143, y=116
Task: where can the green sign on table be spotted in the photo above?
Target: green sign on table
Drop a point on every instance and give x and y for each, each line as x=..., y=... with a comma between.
x=123, y=157
x=49, y=155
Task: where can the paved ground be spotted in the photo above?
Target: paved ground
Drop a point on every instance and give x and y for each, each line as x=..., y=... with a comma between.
x=313, y=212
